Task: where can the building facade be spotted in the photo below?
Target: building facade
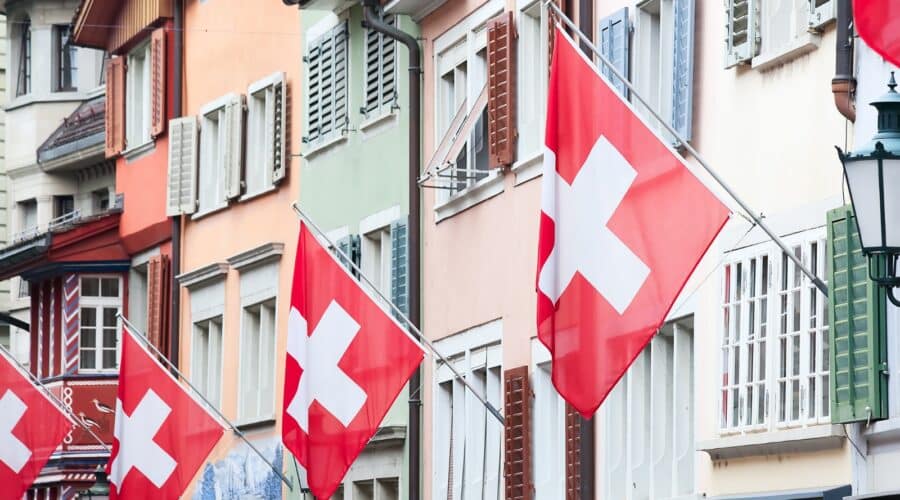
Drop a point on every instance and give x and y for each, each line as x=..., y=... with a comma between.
x=355, y=184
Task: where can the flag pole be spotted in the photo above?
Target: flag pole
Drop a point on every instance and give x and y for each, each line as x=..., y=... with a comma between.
x=211, y=406
x=481, y=398
x=700, y=160
x=62, y=406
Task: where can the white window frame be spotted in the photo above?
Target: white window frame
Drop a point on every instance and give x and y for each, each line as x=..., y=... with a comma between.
x=211, y=194
x=137, y=91
x=653, y=75
x=259, y=170
x=532, y=88
x=472, y=352
x=207, y=378
x=548, y=428
x=735, y=351
x=260, y=339
x=98, y=304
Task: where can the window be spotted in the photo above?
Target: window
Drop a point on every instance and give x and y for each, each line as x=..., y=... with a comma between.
x=381, y=71
x=614, y=38
x=265, y=134
x=137, y=296
x=549, y=414
x=648, y=421
x=28, y=214
x=377, y=489
x=24, y=289
x=467, y=441
x=63, y=205
x=771, y=33
x=66, y=74
x=137, y=88
x=100, y=201
x=23, y=79
x=212, y=161
x=664, y=76
x=376, y=258
x=532, y=79
x=100, y=303
x=257, y=392
x=326, y=60
x=206, y=365
x=5, y=339
x=774, y=347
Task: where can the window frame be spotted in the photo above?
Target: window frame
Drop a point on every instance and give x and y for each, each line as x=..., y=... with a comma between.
x=215, y=168
x=137, y=126
x=65, y=64
x=774, y=333
x=98, y=304
x=257, y=163
x=260, y=415
x=25, y=56
x=210, y=376
x=532, y=80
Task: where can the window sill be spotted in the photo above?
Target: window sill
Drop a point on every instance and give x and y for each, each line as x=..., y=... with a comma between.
x=263, y=192
x=883, y=431
x=803, y=44
x=256, y=424
x=324, y=146
x=32, y=98
x=487, y=188
x=804, y=439
x=209, y=211
x=138, y=152
x=376, y=123
x=529, y=168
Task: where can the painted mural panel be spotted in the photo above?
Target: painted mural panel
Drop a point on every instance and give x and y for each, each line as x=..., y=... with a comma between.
x=242, y=474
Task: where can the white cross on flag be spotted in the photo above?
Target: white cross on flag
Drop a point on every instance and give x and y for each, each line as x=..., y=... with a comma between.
x=624, y=223
x=162, y=435
x=31, y=428
x=347, y=360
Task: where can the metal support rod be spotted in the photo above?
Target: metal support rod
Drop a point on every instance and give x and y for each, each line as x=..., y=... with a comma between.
x=62, y=406
x=200, y=395
x=702, y=162
x=427, y=343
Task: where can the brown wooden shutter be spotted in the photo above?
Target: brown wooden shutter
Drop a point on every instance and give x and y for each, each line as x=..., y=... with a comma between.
x=573, y=454
x=158, y=281
x=158, y=82
x=501, y=106
x=517, y=411
x=115, y=106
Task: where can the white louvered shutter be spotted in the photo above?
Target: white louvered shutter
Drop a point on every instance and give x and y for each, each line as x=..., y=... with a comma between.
x=234, y=145
x=181, y=195
x=380, y=70
x=683, y=68
x=742, y=36
x=327, y=91
x=275, y=129
x=614, y=38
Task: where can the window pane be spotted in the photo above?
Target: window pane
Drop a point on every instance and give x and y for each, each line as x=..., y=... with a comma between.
x=88, y=360
x=109, y=358
x=90, y=287
x=110, y=287
x=88, y=317
x=88, y=338
x=109, y=316
x=109, y=337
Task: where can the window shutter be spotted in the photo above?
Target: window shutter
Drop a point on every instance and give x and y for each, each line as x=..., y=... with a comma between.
x=683, y=68
x=350, y=245
x=501, y=106
x=380, y=69
x=158, y=280
x=181, y=195
x=115, y=106
x=234, y=146
x=517, y=431
x=614, y=36
x=573, y=454
x=339, y=80
x=742, y=37
x=158, y=82
x=327, y=76
x=821, y=12
x=399, y=265
x=856, y=314
x=276, y=143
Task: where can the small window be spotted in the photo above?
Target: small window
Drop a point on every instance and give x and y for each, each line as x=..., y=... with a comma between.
x=212, y=160
x=23, y=79
x=376, y=258
x=65, y=53
x=28, y=214
x=137, y=89
x=265, y=134
x=206, y=368
x=100, y=200
x=63, y=205
x=100, y=304
x=138, y=296
x=257, y=383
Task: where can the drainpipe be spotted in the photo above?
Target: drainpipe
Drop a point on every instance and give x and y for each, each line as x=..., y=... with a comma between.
x=374, y=22
x=178, y=75
x=843, y=85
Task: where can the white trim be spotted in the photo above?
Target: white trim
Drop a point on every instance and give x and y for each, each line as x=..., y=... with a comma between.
x=142, y=258
x=815, y=437
x=531, y=167
x=265, y=82
x=139, y=151
x=336, y=234
x=322, y=146
x=202, y=275
x=373, y=125
x=263, y=254
x=803, y=44
x=218, y=103
x=485, y=189
x=328, y=21
x=480, y=335
x=379, y=220
x=274, y=365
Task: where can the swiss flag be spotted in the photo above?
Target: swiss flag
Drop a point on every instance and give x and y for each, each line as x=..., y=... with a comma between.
x=347, y=360
x=878, y=23
x=623, y=225
x=31, y=428
x=162, y=435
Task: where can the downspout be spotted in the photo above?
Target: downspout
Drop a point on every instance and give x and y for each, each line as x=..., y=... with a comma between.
x=177, y=77
x=843, y=85
x=373, y=21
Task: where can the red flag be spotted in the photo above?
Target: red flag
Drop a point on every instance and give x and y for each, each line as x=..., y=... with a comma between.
x=347, y=360
x=623, y=225
x=162, y=435
x=31, y=428
x=878, y=24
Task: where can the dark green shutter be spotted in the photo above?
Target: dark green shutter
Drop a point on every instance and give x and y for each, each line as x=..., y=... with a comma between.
x=350, y=246
x=399, y=266
x=856, y=314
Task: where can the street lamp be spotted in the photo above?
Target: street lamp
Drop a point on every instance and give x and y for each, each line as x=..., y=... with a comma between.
x=873, y=178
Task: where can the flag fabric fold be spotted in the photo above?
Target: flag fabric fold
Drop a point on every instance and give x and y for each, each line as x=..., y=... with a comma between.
x=878, y=23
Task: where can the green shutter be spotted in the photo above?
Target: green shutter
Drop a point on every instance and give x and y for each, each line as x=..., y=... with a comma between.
x=856, y=314
x=399, y=263
x=350, y=246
